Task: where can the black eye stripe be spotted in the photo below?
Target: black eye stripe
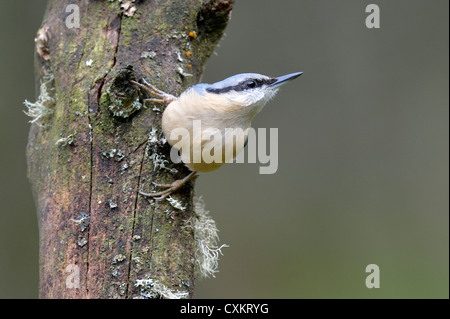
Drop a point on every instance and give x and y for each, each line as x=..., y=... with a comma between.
x=244, y=85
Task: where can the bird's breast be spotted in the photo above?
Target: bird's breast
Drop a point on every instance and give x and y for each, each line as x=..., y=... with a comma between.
x=206, y=134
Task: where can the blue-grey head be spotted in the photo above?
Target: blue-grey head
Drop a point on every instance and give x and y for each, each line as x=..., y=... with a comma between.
x=247, y=89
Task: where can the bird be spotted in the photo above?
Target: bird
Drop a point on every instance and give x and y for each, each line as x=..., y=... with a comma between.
x=223, y=110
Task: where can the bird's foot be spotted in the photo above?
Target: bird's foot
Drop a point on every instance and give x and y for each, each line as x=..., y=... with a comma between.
x=170, y=188
x=161, y=97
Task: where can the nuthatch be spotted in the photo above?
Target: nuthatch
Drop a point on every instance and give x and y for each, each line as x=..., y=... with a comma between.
x=228, y=104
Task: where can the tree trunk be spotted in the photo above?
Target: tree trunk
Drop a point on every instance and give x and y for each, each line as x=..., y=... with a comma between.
x=94, y=145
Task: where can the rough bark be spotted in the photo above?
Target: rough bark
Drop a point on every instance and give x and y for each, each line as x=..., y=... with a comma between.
x=100, y=146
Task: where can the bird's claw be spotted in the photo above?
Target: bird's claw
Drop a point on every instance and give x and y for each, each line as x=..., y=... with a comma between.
x=170, y=188
x=158, y=195
x=162, y=97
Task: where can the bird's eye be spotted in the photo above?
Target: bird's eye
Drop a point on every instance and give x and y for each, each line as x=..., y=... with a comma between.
x=250, y=84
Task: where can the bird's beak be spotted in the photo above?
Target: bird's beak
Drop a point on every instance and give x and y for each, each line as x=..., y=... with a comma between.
x=285, y=78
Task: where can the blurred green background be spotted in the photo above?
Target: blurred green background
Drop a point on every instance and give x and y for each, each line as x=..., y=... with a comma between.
x=363, y=173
